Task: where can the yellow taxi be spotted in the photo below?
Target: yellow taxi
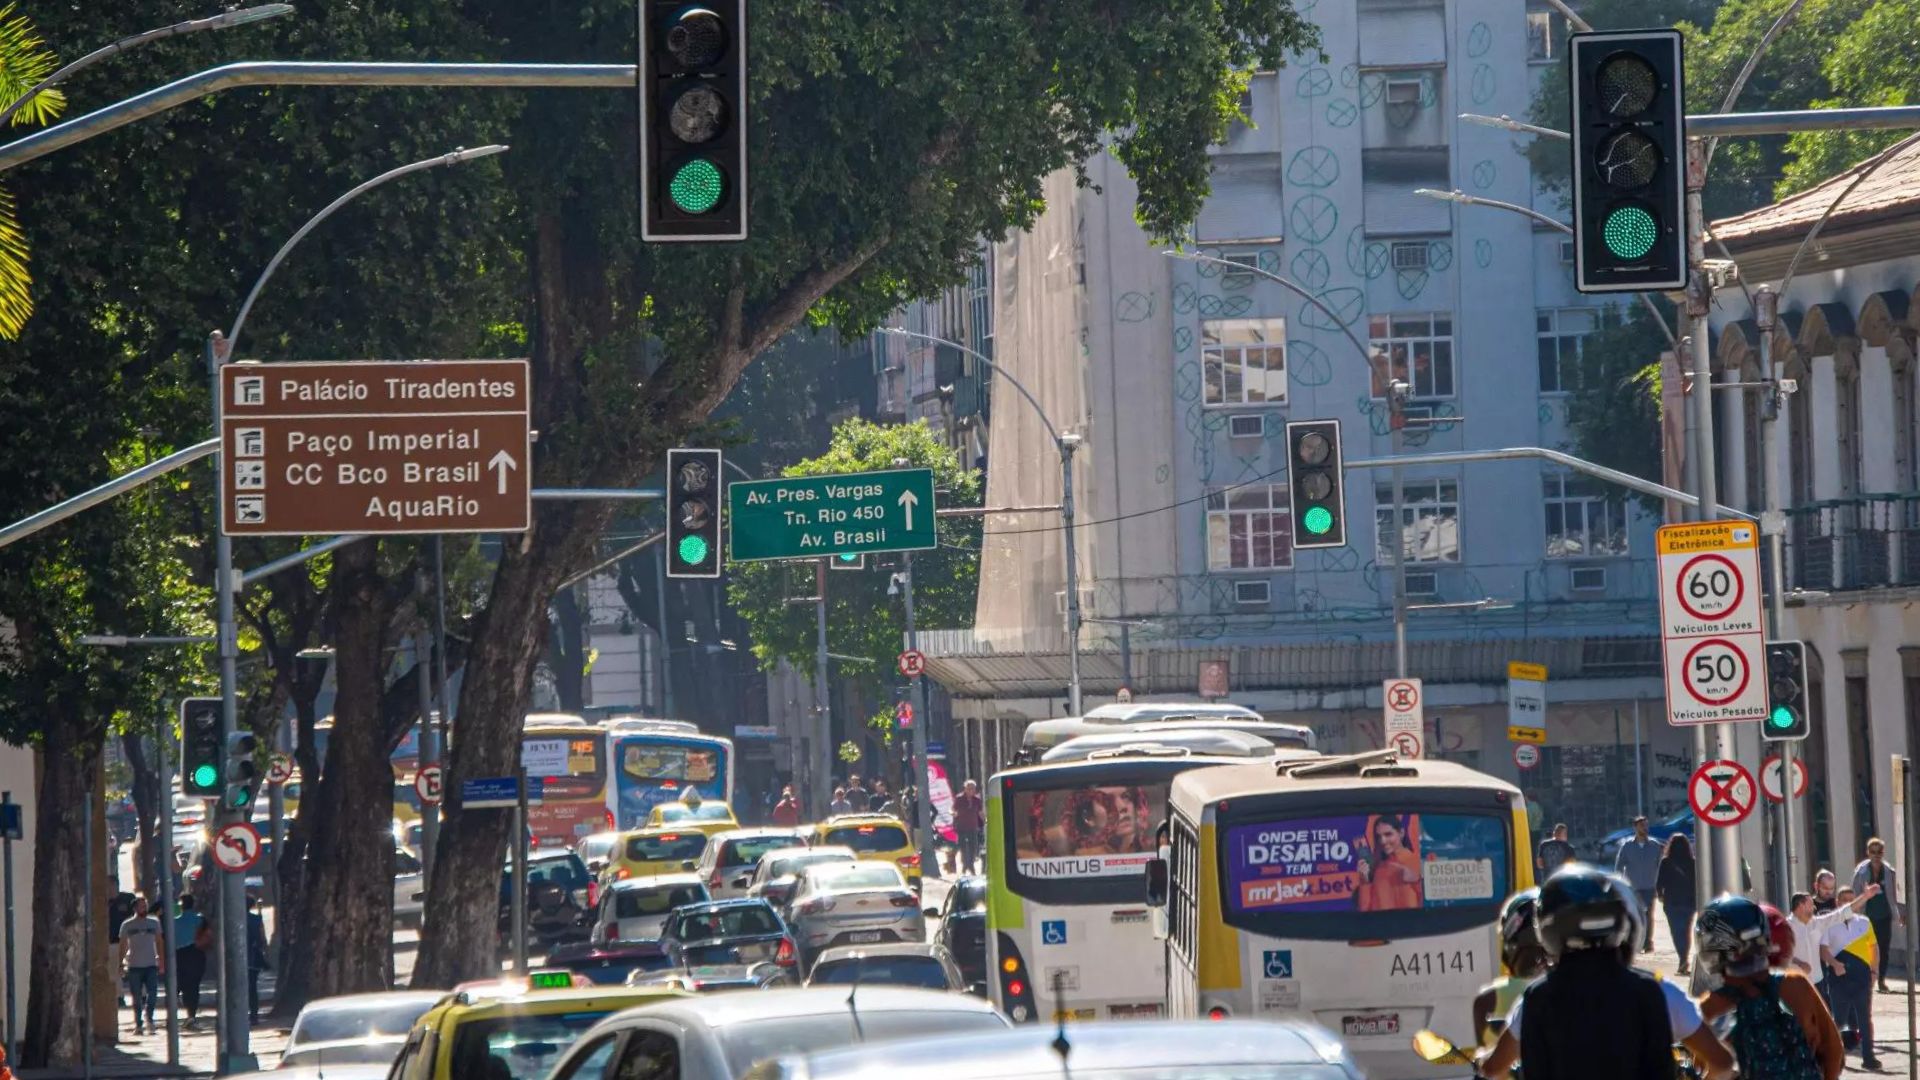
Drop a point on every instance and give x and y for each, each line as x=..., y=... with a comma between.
x=878, y=837
x=659, y=849
x=510, y=1029
x=709, y=816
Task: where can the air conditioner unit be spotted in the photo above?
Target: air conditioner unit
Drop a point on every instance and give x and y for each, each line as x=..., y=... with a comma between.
x=1246, y=426
x=1589, y=578
x=1252, y=592
x=1410, y=256
x=1566, y=252
x=1423, y=583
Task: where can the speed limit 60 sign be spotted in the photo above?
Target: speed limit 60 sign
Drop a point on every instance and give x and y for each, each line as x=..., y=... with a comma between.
x=1710, y=631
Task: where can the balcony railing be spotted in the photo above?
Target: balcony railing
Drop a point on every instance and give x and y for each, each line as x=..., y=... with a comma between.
x=1868, y=542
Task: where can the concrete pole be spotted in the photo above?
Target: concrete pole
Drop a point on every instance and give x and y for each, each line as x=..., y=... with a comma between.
x=165, y=753
x=1396, y=405
x=235, y=1053
x=820, y=765
x=429, y=812
x=1766, y=309
x=917, y=776
x=1068, y=443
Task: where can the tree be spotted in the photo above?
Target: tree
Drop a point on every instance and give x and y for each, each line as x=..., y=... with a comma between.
x=1873, y=61
x=1614, y=411
x=885, y=148
x=24, y=61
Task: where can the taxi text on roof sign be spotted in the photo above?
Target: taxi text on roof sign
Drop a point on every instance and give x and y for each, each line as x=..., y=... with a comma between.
x=813, y=516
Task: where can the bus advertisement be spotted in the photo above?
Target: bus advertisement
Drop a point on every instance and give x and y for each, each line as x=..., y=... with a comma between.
x=574, y=804
x=658, y=761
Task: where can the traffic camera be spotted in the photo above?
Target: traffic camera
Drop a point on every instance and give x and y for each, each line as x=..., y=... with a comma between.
x=200, y=747
x=237, y=791
x=693, y=120
x=1788, y=717
x=693, y=513
x=1629, y=134
x=1314, y=484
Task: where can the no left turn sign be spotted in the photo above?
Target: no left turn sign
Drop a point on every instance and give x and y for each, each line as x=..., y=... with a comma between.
x=1722, y=792
x=279, y=769
x=1770, y=778
x=236, y=847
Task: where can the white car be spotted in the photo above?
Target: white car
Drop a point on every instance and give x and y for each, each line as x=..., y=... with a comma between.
x=409, y=887
x=636, y=909
x=728, y=863
x=355, y=1029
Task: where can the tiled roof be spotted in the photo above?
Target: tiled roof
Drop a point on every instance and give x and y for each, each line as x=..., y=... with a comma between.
x=1892, y=189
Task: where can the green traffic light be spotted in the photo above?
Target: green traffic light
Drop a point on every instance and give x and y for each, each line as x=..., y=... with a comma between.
x=693, y=550
x=1629, y=232
x=205, y=776
x=239, y=799
x=1318, y=520
x=1782, y=718
x=696, y=187
x=848, y=556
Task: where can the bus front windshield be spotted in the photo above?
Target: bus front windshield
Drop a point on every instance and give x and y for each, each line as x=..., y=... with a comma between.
x=1088, y=842
x=1396, y=869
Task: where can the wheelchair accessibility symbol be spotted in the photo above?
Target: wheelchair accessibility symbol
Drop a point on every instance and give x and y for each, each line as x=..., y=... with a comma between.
x=1279, y=963
x=1053, y=932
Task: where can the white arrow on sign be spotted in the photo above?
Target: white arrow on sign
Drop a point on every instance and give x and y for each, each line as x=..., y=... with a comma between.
x=503, y=462
x=908, y=500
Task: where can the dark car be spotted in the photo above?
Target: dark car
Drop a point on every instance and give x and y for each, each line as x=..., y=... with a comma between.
x=611, y=963
x=560, y=892
x=963, y=929
x=1681, y=822
x=727, y=932
x=921, y=964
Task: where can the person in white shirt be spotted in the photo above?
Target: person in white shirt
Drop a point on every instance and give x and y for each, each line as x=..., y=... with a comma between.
x=1809, y=928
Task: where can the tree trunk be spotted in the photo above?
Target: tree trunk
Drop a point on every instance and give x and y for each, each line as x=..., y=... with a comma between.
x=290, y=935
x=345, y=910
x=568, y=651
x=146, y=809
x=56, y=998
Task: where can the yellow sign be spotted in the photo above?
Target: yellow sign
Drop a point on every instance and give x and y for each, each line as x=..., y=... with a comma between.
x=1520, y=669
x=1516, y=733
x=1706, y=536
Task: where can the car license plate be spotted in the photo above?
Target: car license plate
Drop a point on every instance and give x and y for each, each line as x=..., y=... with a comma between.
x=1370, y=1024
x=864, y=937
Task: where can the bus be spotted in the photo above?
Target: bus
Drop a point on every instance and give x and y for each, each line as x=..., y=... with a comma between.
x=572, y=805
x=1043, y=735
x=1068, y=844
x=1360, y=892
x=657, y=761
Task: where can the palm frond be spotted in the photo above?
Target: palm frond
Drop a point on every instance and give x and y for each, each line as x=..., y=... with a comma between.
x=24, y=61
x=16, y=296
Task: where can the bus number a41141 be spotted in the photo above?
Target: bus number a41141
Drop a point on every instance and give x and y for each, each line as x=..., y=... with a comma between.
x=1432, y=963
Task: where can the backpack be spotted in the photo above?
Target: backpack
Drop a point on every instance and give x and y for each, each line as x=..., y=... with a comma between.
x=1768, y=1041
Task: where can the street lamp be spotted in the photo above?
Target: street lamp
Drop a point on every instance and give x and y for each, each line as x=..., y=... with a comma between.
x=1066, y=443
x=221, y=21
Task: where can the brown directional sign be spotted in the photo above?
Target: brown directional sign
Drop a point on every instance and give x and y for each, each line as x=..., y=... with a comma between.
x=365, y=446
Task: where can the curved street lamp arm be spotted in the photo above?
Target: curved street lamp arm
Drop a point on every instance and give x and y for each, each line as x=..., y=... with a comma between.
x=1747, y=69
x=1292, y=286
x=1873, y=166
x=1052, y=432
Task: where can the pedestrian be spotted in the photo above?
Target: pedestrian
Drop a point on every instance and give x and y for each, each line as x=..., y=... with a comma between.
x=256, y=955
x=879, y=802
x=1555, y=851
x=142, y=963
x=968, y=824
x=192, y=939
x=1884, y=909
x=1673, y=886
x=840, y=804
x=1639, y=862
x=856, y=791
x=1823, y=892
x=1809, y=926
x=1850, y=952
x=787, y=810
x=1781, y=1028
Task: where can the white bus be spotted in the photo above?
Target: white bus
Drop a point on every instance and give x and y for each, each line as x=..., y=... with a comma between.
x=1068, y=844
x=1361, y=893
x=1043, y=735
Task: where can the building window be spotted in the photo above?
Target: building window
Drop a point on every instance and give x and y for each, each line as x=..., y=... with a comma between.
x=1560, y=333
x=1245, y=361
x=1584, y=520
x=1429, y=519
x=1249, y=528
x=1545, y=31
x=1417, y=349
x=980, y=304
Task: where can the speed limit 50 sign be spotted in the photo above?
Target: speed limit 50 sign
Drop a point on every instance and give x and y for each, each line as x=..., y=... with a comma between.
x=1715, y=649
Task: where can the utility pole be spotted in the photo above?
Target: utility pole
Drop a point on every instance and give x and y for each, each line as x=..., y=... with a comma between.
x=819, y=761
x=922, y=802
x=1766, y=311
x=429, y=812
x=1397, y=391
x=1068, y=443
x=231, y=952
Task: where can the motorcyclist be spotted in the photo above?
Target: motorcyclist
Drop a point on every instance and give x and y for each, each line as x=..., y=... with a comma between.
x=1523, y=957
x=1593, y=1016
x=1781, y=1028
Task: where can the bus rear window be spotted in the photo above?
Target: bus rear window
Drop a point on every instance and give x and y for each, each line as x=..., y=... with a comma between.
x=1346, y=863
x=869, y=838
x=1092, y=831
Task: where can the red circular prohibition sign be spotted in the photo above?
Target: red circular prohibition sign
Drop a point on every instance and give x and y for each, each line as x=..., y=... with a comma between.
x=1680, y=586
x=1746, y=672
x=1723, y=800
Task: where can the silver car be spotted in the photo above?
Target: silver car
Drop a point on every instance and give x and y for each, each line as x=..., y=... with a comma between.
x=636, y=909
x=355, y=1028
x=923, y=964
x=773, y=879
x=864, y=903
x=729, y=861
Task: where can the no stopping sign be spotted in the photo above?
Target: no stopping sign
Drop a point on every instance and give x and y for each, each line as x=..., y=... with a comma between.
x=1722, y=792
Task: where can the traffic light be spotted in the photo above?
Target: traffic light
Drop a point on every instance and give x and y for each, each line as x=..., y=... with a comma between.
x=1788, y=719
x=848, y=560
x=237, y=791
x=1313, y=484
x=693, y=513
x=200, y=747
x=1629, y=161
x=693, y=120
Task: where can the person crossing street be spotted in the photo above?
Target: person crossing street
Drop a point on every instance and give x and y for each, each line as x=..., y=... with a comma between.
x=1639, y=862
x=142, y=962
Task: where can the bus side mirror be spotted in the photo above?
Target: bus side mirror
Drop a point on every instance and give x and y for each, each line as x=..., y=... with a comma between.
x=1157, y=882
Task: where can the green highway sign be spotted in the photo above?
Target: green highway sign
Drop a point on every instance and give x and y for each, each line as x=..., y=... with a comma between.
x=801, y=517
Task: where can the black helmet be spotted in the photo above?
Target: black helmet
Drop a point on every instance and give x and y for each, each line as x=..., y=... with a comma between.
x=1584, y=907
x=1517, y=930
x=1732, y=936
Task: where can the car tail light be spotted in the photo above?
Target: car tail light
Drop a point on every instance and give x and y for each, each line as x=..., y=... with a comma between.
x=1016, y=988
x=1016, y=996
x=912, y=862
x=784, y=957
x=903, y=900
x=622, y=874
x=1218, y=1012
x=593, y=893
x=714, y=881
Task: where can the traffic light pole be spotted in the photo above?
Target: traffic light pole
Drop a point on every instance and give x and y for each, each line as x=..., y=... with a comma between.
x=234, y=1053
x=1396, y=411
x=1766, y=310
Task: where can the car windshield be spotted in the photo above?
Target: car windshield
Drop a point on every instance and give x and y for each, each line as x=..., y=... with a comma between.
x=712, y=811
x=517, y=1047
x=666, y=847
x=746, y=921
x=860, y=876
x=595, y=847
x=791, y=864
x=757, y=1040
x=869, y=838
x=972, y=896
x=379, y=1051
x=641, y=903
x=357, y=1021
x=568, y=872
x=881, y=970
x=748, y=850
